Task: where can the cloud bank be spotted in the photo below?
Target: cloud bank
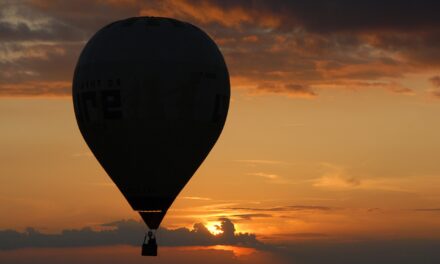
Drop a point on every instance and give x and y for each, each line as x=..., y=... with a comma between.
x=104, y=244
x=87, y=246
x=127, y=232
x=293, y=48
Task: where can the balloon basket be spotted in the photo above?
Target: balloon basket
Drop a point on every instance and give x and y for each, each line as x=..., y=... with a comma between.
x=149, y=249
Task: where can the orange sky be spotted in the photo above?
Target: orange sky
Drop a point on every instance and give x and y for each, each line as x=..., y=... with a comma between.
x=332, y=133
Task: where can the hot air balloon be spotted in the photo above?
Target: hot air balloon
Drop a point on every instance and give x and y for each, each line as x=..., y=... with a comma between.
x=151, y=96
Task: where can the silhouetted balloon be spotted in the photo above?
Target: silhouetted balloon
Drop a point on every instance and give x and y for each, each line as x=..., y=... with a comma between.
x=151, y=97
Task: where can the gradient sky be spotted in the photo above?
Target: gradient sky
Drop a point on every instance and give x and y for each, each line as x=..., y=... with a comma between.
x=332, y=136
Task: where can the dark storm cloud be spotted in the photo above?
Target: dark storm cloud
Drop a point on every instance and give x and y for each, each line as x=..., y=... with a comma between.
x=41, y=41
x=342, y=15
x=127, y=233
x=284, y=47
x=88, y=15
x=325, y=42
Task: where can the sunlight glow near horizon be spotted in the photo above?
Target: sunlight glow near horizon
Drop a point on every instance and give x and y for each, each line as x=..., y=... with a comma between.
x=214, y=227
x=42, y=142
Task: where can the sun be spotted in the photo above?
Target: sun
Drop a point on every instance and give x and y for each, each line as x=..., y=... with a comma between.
x=214, y=227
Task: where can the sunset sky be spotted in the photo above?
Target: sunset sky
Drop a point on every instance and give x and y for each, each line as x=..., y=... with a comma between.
x=331, y=145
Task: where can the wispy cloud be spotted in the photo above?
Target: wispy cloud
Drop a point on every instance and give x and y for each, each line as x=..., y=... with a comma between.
x=272, y=178
x=259, y=161
x=251, y=216
x=399, y=89
x=428, y=210
x=336, y=178
x=337, y=181
x=435, y=81
x=269, y=176
x=284, y=208
x=196, y=198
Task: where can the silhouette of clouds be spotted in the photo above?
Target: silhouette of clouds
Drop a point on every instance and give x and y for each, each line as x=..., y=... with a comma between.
x=16, y=246
x=311, y=248
x=127, y=232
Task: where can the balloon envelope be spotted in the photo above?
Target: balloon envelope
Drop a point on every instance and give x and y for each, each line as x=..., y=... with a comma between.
x=151, y=96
